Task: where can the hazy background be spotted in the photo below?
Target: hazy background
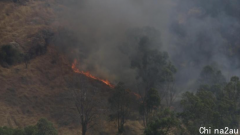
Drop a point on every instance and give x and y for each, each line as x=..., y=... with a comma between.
x=104, y=34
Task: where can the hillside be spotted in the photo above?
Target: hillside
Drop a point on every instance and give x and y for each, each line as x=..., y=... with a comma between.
x=42, y=85
x=111, y=67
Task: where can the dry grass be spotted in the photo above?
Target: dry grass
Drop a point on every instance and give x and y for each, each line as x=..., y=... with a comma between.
x=21, y=22
x=41, y=90
x=25, y=94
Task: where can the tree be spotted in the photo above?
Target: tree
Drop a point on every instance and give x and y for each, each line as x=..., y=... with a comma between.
x=152, y=66
x=142, y=47
x=44, y=127
x=232, y=89
x=120, y=102
x=85, y=108
x=168, y=91
x=211, y=79
x=154, y=70
x=211, y=76
x=198, y=110
x=152, y=102
x=229, y=103
x=212, y=110
x=162, y=123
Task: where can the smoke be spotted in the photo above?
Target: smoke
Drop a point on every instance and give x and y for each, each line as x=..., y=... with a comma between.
x=205, y=33
x=104, y=34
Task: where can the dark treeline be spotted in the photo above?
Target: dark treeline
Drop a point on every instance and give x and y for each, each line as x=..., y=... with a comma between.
x=213, y=103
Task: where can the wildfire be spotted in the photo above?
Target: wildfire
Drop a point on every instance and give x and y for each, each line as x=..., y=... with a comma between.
x=76, y=70
x=137, y=95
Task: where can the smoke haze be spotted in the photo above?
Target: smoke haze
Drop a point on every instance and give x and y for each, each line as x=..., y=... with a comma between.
x=104, y=34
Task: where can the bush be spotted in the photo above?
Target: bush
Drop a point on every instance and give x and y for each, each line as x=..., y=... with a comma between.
x=6, y=131
x=30, y=130
x=19, y=132
x=163, y=123
x=9, y=55
x=36, y=50
x=43, y=127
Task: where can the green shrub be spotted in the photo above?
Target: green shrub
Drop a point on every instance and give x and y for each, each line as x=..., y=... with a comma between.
x=43, y=127
x=163, y=123
x=6, y=131
x=19, y=132
x=30, y=130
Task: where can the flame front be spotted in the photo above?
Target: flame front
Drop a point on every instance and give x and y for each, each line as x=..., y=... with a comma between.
x=76, y=70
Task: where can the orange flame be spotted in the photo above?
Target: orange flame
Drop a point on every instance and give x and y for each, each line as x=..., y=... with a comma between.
x=136, y=95
x=76, y=70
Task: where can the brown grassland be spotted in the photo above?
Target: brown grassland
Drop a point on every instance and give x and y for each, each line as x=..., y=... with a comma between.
x=42, y=89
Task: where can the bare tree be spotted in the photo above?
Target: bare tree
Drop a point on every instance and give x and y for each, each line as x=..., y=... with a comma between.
x=121, y=102
x=85, y=107
x=169, y=93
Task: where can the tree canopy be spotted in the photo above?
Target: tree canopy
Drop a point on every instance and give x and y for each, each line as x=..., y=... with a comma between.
x=216, y=111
